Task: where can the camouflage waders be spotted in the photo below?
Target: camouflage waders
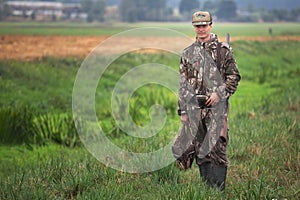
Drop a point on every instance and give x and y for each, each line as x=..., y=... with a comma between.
x=200, y=75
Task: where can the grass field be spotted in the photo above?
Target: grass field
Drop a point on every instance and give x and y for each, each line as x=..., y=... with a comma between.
x=41, y=156
x=63, y=28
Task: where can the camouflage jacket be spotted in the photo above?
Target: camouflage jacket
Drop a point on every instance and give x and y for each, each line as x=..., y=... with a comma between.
x=199, y=73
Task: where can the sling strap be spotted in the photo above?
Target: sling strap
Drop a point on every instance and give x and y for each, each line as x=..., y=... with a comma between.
x=219, y=56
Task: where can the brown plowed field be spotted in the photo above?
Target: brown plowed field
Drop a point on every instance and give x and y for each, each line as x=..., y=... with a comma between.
x=24, y=47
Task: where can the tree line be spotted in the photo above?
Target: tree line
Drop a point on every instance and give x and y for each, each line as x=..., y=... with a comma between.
x=157, y=10
x=223, y=10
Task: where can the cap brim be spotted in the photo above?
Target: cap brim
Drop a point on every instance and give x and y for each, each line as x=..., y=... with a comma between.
x=200, y=23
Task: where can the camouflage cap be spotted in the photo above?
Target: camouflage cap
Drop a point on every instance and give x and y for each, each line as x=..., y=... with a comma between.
x=201, y=18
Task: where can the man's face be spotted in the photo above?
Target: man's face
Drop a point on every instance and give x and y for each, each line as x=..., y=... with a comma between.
x=203, y=31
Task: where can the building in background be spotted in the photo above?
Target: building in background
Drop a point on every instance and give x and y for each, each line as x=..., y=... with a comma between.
x=43, y=10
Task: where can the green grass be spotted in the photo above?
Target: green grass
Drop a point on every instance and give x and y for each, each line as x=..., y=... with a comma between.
x=86, y=29
x=235, y=29
x=264, y=132
x=45, y=84
x=59, y=28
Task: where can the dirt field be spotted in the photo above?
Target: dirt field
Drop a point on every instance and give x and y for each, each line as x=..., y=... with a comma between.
x=19, y=47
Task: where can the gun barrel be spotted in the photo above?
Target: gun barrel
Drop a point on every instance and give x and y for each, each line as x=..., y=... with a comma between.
x=228, y=39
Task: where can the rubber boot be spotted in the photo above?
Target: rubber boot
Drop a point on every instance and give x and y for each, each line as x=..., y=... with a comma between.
x=206, y=173
x=213, y=175
x=218, y=179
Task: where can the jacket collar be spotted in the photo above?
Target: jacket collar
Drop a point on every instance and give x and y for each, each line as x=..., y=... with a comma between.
x=213, y=40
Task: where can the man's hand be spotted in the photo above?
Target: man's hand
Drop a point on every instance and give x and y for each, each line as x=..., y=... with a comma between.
x=212, y=100
x=184, y=118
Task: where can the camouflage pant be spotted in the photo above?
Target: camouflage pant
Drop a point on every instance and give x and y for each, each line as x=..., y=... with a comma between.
x=217, y=155
x=210, y=127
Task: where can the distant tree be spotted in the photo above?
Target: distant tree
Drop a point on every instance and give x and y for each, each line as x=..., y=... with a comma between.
x=157, y=10
x=87, y=7
x=99, y=10
x=265, y=15
x=295, y=14
x=209, y=6
x=24, y=15
x=188, y=6
x=280, y=14
x=33, y=16
x=94, y=9
x=4, y=10
x=226, y=10
x=142, y=10
x=250, y=7
x=128, y=10
x=53, y=17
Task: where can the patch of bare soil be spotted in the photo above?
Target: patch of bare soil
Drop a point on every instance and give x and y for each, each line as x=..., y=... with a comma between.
x=28, y=47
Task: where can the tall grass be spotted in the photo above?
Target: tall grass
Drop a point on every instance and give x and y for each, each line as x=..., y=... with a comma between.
x=44, y=84
x=16, y=126
x=25, y=125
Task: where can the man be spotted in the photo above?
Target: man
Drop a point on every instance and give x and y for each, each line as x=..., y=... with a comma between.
x=208, y=77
